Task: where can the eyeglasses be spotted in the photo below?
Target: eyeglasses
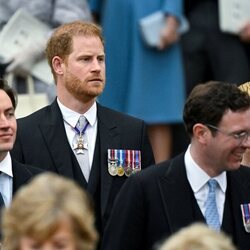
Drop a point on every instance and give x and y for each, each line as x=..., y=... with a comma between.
x=239, y=136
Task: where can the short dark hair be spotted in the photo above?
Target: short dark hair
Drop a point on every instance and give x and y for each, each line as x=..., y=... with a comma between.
x=9, y=91
x=208, y=102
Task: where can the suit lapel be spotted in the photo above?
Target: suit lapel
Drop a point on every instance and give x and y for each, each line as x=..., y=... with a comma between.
x=109, y=138
x=177, y=195
x=55, y=137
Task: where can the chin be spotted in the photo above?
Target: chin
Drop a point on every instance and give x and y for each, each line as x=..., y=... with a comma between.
x=94, y=92
x=235, y=166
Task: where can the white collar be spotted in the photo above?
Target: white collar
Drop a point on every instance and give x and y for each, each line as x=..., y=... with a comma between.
x=72, y=117
x=6, y=165
x=197, y=177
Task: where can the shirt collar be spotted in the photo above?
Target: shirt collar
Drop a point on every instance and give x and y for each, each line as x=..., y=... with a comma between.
x=197, y=177
x=72, y=117
x=6, y=165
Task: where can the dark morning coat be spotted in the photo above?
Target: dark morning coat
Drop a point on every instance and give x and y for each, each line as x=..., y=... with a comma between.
x=22, y=174
x=161, y=202
x=42, y=141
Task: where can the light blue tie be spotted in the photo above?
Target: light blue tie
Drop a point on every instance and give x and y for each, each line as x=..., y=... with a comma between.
x=211, y=213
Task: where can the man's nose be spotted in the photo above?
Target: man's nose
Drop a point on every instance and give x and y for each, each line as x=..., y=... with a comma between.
x=3, y=121
x=96, y=65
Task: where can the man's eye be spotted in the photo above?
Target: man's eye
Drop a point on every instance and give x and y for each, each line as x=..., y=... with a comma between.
x=101, y=59
x=240, y=135
x=86, y=59
x=10, y=114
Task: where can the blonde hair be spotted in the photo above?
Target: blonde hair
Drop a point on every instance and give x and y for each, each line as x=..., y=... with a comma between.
x=198, y=237
x=38, y=208
x=245, y=87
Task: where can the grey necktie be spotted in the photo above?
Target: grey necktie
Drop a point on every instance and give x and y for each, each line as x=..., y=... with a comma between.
x=80, y=145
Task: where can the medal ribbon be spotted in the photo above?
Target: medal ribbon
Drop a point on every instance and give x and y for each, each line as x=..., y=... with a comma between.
x=77, y=130
x=136, y=155
x=246, y=211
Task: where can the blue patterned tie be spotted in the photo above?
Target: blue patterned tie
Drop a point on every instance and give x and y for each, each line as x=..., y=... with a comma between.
x=211, y=213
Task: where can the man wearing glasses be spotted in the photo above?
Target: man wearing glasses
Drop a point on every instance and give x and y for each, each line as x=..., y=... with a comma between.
x=207, y=183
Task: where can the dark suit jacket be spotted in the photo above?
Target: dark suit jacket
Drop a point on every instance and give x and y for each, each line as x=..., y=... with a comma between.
x=42, y=141
x=161, y=202
x=22, y=174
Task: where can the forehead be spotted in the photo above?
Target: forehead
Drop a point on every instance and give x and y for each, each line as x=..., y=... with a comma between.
x=236, y=120
x=87, y=43
x=5, y=101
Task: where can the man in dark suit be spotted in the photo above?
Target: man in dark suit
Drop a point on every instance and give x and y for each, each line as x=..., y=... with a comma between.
x=13, y=174
x=51, y=138
x=177, y=192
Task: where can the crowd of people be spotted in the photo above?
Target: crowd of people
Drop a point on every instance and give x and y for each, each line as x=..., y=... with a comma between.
x=97, y=168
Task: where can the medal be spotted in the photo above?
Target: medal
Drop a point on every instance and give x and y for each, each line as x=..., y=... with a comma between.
x=136, y=161
x=112, y=169
x=112, y=162
x=128, y=171
x=120, y=171
x=245, y=210
x=80, y=145
x=120, y=157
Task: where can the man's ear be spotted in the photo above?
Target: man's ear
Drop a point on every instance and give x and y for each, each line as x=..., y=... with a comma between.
x=58, y=65
x=200, y=132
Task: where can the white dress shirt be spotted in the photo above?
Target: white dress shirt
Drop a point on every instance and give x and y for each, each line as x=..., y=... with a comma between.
x=6, y=179
x=71, y=117
x=198, y=179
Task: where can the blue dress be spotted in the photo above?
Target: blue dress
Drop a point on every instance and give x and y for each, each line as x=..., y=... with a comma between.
x=141, y=81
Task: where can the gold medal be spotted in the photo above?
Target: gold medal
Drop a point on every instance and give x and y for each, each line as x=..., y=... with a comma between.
x=120, y=171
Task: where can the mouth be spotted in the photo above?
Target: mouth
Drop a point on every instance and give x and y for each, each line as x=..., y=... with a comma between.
x=96, y=80
x=238, y=156
x=6, y=136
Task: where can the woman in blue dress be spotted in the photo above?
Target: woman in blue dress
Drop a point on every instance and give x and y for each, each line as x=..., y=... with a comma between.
x=142, y=81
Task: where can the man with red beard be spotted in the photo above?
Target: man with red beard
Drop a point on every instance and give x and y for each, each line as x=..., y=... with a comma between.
x=207, y=183
x=12, y=173
x=115, y=144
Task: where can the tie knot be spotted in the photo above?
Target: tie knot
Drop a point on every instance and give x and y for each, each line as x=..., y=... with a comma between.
x=212, y=183
x=81, y=122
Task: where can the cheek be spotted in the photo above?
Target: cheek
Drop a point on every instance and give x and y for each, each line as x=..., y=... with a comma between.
x=14, y=126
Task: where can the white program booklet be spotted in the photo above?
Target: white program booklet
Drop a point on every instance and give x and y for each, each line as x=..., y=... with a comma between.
x=23, y=29
x=151, y=26
x=233, y=15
